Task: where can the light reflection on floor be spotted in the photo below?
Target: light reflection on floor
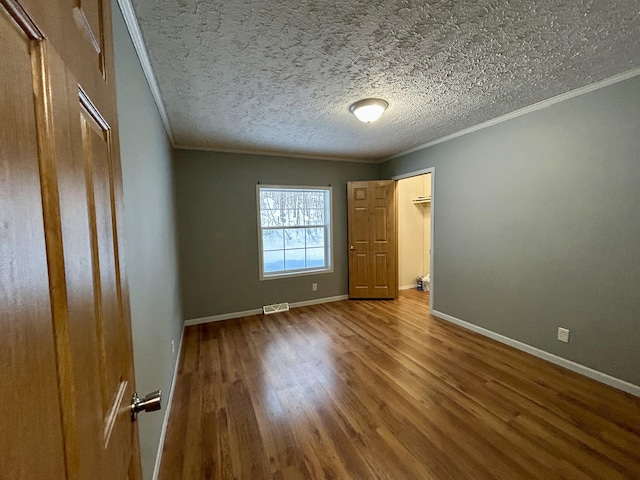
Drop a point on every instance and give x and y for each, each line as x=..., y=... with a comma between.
x=295, y=377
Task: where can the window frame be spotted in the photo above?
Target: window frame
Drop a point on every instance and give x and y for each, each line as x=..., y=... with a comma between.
x=328, y=224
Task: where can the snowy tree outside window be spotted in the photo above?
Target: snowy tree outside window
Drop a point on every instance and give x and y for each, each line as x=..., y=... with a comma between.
x=294, y=230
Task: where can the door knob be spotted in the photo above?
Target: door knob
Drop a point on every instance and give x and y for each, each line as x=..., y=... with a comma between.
x=150, y=403
x=351, y=247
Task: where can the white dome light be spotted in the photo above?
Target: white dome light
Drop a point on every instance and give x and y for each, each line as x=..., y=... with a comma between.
x=369, y=110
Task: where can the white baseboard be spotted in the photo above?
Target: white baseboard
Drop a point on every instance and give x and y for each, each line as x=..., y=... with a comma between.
x=407, y=287
x=563, y=362
x=167, y=412
x=257, y=311
x=224, y=316
x=318, y=301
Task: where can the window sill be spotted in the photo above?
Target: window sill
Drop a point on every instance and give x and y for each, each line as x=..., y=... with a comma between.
x=304, y=273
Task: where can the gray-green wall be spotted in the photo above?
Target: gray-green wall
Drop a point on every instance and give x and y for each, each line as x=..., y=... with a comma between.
x=217, y=224
x=537, y=225
x=149, y=233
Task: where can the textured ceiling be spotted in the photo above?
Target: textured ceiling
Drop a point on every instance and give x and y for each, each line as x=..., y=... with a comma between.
x=279, y=76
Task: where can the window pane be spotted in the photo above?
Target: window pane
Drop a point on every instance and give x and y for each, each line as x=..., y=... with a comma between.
x=273, y=261
x=270, y=200
x=314, y=216
x=315, y=257
x=294, y=259
x=294, y=238
x=315, y=237
x=272, y=240
x=270, y=218
x=291, y=200
x=314, y=199
x=291, y=218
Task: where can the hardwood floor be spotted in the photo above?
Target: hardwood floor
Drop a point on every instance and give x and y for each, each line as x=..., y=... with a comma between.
x=381, y=390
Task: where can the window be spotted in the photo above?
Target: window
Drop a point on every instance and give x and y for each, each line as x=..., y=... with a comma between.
x=294, y=230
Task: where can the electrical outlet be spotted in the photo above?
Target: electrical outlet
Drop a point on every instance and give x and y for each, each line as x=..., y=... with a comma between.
x=563, y=334
x=173, y=347
x=314, y=286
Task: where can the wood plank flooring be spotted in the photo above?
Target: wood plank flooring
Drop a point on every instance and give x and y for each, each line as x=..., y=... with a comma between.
x=382, y=390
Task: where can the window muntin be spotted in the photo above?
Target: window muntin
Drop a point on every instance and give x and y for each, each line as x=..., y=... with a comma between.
x=294, y=230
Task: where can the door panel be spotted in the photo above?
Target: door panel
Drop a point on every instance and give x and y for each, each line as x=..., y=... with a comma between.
x=381, y=272
x=30, y=429
x=372, y=240
x=361, y=280
x=360, y=225
x=115, y=383
x=104, y=279
x=380, y=226
x=81, y=33
x=381, y=194
x=89, y=17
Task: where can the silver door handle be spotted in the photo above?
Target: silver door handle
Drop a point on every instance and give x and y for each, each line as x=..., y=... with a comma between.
x=150, y=403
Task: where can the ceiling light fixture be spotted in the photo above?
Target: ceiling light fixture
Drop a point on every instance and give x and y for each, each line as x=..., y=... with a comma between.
x=369, y=110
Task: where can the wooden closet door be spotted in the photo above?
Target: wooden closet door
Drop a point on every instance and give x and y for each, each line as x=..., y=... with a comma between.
x=74, y=118
x=373, y=233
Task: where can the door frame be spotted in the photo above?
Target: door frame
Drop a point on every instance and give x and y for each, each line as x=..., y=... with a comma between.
x=415, y=173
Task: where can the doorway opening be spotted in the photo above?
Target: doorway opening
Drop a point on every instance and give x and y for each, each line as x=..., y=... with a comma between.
x=415, y=230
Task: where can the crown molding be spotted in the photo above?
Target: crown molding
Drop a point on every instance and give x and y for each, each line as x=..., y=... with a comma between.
x=131, y=22
x=268, y=153
x=523, y=111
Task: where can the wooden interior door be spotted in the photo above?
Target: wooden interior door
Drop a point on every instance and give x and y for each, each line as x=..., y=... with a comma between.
x=65, y=333
x=373, y=255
